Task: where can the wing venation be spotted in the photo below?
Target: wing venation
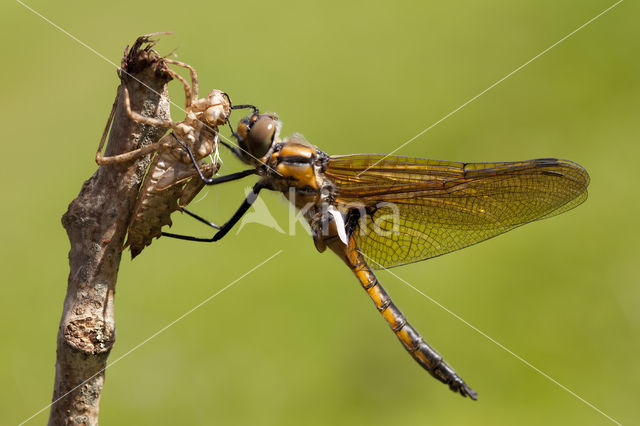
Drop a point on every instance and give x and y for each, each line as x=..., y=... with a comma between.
x=414, y=209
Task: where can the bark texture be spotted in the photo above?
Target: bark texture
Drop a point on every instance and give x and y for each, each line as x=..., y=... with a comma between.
x=96, y=223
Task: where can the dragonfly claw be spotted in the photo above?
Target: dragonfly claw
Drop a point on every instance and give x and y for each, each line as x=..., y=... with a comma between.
x=458, y=385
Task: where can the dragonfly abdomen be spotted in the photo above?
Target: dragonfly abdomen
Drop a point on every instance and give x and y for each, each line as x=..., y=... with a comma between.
x=410, y=338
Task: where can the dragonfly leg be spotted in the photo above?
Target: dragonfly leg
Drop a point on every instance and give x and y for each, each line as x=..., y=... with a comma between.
x=246, y=106
x=234, y=149
x=214, y=180
x=224, y=229
x=200, y=219
x=410, y=338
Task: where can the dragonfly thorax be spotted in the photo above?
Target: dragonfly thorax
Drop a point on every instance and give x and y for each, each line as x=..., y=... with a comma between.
x=298, y=172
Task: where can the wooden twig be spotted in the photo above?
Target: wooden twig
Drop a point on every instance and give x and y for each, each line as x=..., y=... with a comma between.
x=96, y=223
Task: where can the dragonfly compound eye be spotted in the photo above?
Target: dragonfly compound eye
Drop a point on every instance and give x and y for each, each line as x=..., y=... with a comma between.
x=263, y=131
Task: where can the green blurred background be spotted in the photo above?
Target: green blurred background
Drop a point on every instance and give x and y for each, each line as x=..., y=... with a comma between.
x=297, y=341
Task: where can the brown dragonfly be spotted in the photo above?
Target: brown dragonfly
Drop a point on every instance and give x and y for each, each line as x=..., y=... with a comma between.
x=377, y=211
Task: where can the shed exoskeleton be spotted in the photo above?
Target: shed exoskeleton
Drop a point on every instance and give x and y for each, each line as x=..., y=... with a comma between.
x=172, y=181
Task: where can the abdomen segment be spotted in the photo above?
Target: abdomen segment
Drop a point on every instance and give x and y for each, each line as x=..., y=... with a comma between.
x=412, y=341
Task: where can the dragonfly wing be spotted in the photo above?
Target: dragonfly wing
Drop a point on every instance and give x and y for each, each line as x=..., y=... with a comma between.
x=413, y=209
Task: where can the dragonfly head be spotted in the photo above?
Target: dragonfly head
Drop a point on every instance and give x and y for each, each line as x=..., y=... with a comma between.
x=257, y=133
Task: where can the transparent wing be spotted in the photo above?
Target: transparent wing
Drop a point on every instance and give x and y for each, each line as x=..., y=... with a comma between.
x=413, y=209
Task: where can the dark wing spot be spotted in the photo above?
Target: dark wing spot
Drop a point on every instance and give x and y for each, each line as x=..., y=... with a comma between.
x=552, y=173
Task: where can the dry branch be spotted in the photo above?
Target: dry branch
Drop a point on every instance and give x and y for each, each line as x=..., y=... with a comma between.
x=96, y=223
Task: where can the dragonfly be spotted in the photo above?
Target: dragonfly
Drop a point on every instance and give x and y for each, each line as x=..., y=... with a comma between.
x=382, y=211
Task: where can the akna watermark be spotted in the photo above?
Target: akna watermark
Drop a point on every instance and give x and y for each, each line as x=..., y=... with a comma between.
x=383, y=219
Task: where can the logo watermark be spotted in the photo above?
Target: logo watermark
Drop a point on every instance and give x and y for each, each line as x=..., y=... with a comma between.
x=383, y=219
x=259, y=214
